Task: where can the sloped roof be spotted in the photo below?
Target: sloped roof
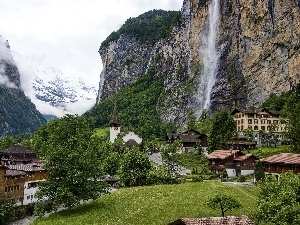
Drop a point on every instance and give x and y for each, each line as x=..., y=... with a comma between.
x=131, y=143
x=244, y=157
x=254, y=111
x=27, y=167
x=14, y=173
x=19, y=153
x=229, y=220
x=283, y=158
x=221, y=154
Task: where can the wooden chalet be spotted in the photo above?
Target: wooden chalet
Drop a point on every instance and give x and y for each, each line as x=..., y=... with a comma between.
x=20, y=174
x=189, y=139
x=277, y=164
x=228, y=220
x=235, y=162
x=242, y=143
x=17, y=154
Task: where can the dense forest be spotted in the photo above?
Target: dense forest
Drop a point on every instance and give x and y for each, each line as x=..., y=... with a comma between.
x=18, y=114
x=148, y=27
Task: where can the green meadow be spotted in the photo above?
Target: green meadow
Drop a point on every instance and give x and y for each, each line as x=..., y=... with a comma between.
x=159, y=204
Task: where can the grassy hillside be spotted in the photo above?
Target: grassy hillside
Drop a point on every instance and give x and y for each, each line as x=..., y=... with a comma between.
x=136, y=108
x=153, y=205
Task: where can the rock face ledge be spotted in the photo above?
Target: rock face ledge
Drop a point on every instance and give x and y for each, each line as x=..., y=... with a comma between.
x=258, y=44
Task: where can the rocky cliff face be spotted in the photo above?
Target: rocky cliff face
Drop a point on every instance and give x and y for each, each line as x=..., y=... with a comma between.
x=257, y=44
x=18, y=114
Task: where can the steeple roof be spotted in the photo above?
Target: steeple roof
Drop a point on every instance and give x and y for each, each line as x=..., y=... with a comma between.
x=114, y=121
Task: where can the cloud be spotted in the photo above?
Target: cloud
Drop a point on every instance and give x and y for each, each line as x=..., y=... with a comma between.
x=67, y=34
x=5, y=53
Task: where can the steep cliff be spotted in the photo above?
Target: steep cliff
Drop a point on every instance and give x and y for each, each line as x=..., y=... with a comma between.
x=233, y=54
x=18, y=114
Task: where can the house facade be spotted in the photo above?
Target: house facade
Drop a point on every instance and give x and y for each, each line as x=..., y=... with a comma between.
x=20, y=174
x=189, y=139
x=235, y=162
x=283, y=162
x=260, y=119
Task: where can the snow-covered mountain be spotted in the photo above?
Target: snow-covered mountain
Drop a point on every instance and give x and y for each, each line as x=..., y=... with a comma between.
x=52, y=86
x=52, y=91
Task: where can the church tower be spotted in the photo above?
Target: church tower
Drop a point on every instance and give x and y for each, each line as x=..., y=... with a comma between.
x=114, y=124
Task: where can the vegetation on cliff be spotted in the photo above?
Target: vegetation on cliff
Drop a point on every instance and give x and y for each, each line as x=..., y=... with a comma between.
x=18, y=115
x=147, y=28
x=136, y=107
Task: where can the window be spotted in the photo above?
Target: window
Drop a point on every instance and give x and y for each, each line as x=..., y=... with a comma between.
x=263, y=128
x=263, y=121
x=28, y=197
x=255, y=121
x=242, y=121
x=242, y=128
x=249, y=126
x=255, y=127
x=275, y=122
x=250, y=121
x=268, y=121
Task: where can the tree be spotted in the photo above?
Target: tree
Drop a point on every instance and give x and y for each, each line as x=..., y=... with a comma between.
x=249, y=132
x=279, y=201
x=135, y=168
x=223, y=202
x=7, y=210
x=223, y=131
x=72, y=156
x=259, y=172
x=291, y=111
x=191, y=120
x=169, y=159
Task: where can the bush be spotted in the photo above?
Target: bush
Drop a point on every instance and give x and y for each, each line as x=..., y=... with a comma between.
x=242, y=178
x=197, y=179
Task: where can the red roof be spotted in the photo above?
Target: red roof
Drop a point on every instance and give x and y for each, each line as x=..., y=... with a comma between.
x=229, y=220
x=283, y=158
x=222, y=154
x=244, y=157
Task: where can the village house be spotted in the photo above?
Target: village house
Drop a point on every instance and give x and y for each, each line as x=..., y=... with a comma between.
x=18, y=180
x=277, y=164
x=228, y=220
x=242, y=143
x=189, y=139
x=129, y=138
x=260, y=119
x=235, y=162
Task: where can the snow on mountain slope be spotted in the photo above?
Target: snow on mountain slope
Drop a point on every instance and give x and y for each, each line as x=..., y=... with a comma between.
x=52, y=91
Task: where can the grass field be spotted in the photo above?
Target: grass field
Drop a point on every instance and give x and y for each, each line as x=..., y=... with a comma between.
x=263, y=152
x=154, y=205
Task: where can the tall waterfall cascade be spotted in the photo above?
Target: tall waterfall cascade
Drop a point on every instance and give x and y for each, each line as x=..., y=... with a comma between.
x=210, y=57
x=101, y=82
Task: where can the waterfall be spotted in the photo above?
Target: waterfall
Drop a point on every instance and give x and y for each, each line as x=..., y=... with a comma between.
x=101, y=82
x=210, y=57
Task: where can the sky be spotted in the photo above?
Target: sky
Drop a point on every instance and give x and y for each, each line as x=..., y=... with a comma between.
x=68, y=33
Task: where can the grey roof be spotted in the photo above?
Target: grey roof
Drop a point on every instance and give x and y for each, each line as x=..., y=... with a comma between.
x=19, y=153
x=14, y=173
